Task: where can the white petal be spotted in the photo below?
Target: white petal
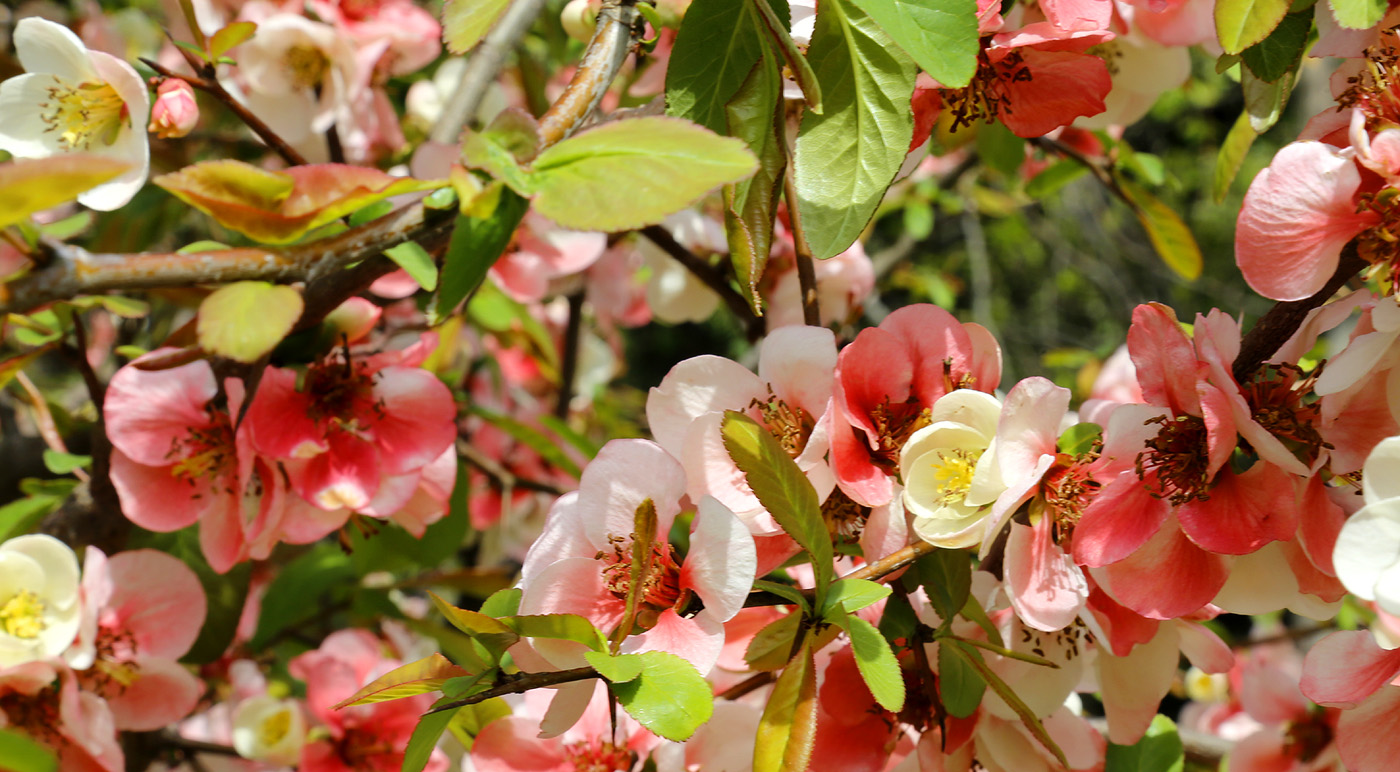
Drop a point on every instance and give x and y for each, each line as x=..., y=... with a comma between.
x=23, y=131
x=1380, y=478
x=1368, y=545
x=44, y=46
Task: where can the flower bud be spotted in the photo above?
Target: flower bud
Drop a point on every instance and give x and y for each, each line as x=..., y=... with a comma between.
x=580, y=18
x=175, y=112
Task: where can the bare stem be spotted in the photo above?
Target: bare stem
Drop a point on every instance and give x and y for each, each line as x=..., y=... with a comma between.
x=483, y=65
x=712, y=277
x=522, y=682
x=806, y=272
x=607, y=51
x=568, y=369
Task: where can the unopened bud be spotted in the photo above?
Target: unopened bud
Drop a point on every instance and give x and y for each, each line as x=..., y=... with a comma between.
x=580, y=18
x=175, y=112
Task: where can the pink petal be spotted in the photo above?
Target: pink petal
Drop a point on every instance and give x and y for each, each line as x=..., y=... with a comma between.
x=1134, y=685
x=419, y=420
x=1244, y=512
x=1029, y=425
x=158, y=600
x=1169, y=577
x=623, y=475
x=155, y=499
x=1123, y=628
x=799, y=363
x=1046, y=588
x=164, y=692
x=857, y=477
x=509, y=745
x=221, y=535
x=1063, y=86
x=1078, y=14
x=698, y=639
x=874, y=369
x=930, y=337
x=1203, y=648
x=1122, y=518
x=694, y=387
x=149, y=413
x=347, y=475
x=279, y=419
x=1164, y=359
x=1297, y=216
x=1320, y=521
x=1368, y=737
x=1346, y=667
x=1270, y=695
x=721, y=563
x=573, y=586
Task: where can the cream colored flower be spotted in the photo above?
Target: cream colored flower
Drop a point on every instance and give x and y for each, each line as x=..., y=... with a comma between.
x=72, y=99
x=268, y=729
x=944, y=488
x=39, y=599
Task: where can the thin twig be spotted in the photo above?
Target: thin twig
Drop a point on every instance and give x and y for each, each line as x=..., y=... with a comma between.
x=806, y=272
x=568, y=369
x=522, y=682
x=875, y=572
x=755, y=681
x=500, y=476
x=606, y=53
x=710, y=276
x=483, y=65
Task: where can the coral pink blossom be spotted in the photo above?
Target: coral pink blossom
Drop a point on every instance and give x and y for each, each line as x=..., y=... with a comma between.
x=360, y=431
x=1349, y=671
x=177, y=460
x=147, y=609
x=42, y=700
x=524, y=741
x=363, y=738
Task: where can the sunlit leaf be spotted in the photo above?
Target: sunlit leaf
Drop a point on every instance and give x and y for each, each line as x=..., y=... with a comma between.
x=669, y=697
x=33, y=185
x=718, y=44
x=755, y=116
x=855, y=594
x=424, y=739
x=416, y=261
x=1240, y=24
x=802, y=74
x=876, y=662
x=466, y=22
x=230, y=37
x=787, y=729
x=22, y=754
x=1231, y=157
x=490, y=632
x=425, y=675
x=941, y=35
x=619, y=669
x=1358, y=14
x=1170, y=236
x=570, y=627
x=1159, y=750
x=771, y=646
x=247, y=319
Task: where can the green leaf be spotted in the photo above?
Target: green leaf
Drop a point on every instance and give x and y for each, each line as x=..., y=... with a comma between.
x=619, y=669
x=413, y=258
x=1240, y=24
x=1028, y=719
x=1358, y=14
x=22, y=754
x=846, y=157
x=425, y=675
x=300, y=589
x=247, y=319
x=1001, y=149
x=1170, y=236
x=63, y=463
x=973, y=612
x=1231, y=157
x=643, y=537
x=571, y=627
x=959, y=686
x=21, y=515
x=377, y=210
x=1160, y=750
x=503, y=603
x=754, y=115
x=230, y=37
x=471, y=719
x=1079, y=438
x=627, y=174
x=851, y=595
x=484, y=150
x=670, y=697
x=491, y=633
x=476, y=244
x=718, y=43
x=946, y=576
x=771, y=646
x=424, y=739
x=941, y=35
x=777, y=29
x=466, y=22
x=29, y=186
x=782, y=489
x=788, y=727
x=876, y=662
x=1054, y=177
x=787, y=591
x=1264, y=101
x=1281, y=51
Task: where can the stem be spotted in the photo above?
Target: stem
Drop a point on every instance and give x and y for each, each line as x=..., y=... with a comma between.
x=806, y=273
x=522, y=682
x=486, y=61
x=710, y=276
x=877, y=571
x=755, y=681
x=207, y=81
x=568, y=370
x=606, y=52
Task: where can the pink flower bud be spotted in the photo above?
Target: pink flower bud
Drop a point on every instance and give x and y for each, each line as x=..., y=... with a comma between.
x=175, y=112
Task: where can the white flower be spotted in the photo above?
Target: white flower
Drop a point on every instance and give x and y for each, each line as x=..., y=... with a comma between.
x=72, y=99
x=1367, y=555
x=300, y=76
x=39, y=609
x=268, y=729
x=945, y=488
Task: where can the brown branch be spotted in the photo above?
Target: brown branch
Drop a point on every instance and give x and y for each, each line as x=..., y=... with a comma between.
x=755, y=681
x=522, y=682
x=712, y=277
x=568, y=369
x=1278, y=325
x=606, y=52
x=806, y=272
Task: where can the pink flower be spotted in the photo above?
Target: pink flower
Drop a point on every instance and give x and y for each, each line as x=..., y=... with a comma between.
x=528, y=740
x=579, y=565
x=1348, y=670
x=175, y=112
x=42, y=700
x=145, y=608
x=176, y=460
x=359, y=432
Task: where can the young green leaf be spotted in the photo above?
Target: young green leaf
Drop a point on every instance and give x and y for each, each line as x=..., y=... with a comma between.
x=959, y=685
x=777, y=29
x=230, y=37
x=788, y=727
x=22, y=754
x=491, y=633
x=876, y=662
x=413, y=258
x=1055, y=176
x=1358, y=14
x=1079, y=438
x=669, y=697
x=643, y=537
x=941, y=35
x=476, y=244
x=502, y=603
x=466, y=22
x=1160, y=750
x=1281, y=51
x=771, y=646
x=425, y=675
x=33, y=185
x=247, y=319
x=1231, y=157
x=753, y=115
x=424, y=739
x=571, y=627
x=627, y=174
x=946, y=576
x=1240, y=24
x=717, y=45
x=1028, y=718
x=782, y=489
x=1264, y=101
x=847, y=156
x=617, y=669
x=64, y=463
x=1170, y=236
x=849, y=595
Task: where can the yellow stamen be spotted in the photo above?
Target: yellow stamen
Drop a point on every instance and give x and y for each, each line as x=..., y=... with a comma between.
x=82, y=113
x=23, y=615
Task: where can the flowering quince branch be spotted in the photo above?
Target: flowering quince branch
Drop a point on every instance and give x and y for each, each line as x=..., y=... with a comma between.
x=519, y=683
x=613, y=38
x=711, y=276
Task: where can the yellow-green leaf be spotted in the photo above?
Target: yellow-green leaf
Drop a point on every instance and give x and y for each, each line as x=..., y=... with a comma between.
x=1169, y=234
x=425, y=675
x=490, y=632
x=1231, y=157
x=1240, y=24
x=245, y=320
x=466, y=22
x=787, y=729
x=627, y=174
x=230, y=37
x=33, y=185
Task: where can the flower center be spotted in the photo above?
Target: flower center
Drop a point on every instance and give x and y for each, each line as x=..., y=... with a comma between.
x=274, y=728
x=115, y=668
x=1376, y=89
x=308, y=65
x=79, y=114
x=985, y=97
x=1067, y=489
x=1276, y=399
x=791, y=425
x=894, y=424
x=1176, y=463
x=952, y=474
x=845, y=519
x=1306, y=740
x=597, y=756
x=22, y=616
x=205, y=452
x=660, y=583
x=339, y=392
